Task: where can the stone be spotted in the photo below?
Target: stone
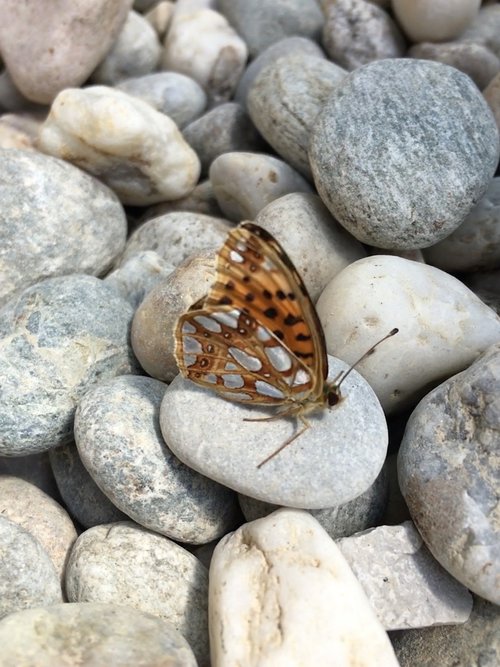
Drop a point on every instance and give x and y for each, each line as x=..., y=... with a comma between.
x=34, y=469
x=492, y=96
x=18, y=131
x=484, y=29
x=69, y=41
x=74, y=223
x=57, y=339
x=199, y=200
x=281, y=590
x=261, y=23
x=137, y=151
x=125, y=564
x=437, y=337
x=138, y=275
x=119, y=441
x=430, y=179
x=28, y=577
x=244, y=183
x=177, y=96
x=475, y=245
x=357, y=32
x=449, y=475
x=41, y=516
x=91, y=634
x=317, y=245
x=346, y=443
x=403, y=582
x=486, y=280
x=284, y=100
x=10, y=97
x=159, y=17
x=434, y=20
x=135, y=52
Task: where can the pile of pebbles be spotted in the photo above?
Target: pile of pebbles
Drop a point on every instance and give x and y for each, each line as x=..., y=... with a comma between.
x=135, y=526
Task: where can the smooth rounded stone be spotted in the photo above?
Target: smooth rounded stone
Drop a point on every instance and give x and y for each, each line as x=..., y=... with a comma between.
x=221, y=54
x=449, y=476
x=118, y=436
x=434, y=20
x=317, y=245
x=156, y=318
x=159, y=17
x=476, y=60
x=244, y=183
x=136, y=52
x=138, y=275
x=431, y=177
x=74, y=223
x=40, y=515
x=69, y=41
x=263, y=23
x=415, y=255
x=199, y=200
x=492, y=96
x=284, y=100
x=475, y=245
x=83, y=498
x=287, y=46
x=347, y=443
x=280, y=589
x=476, y=642
x=485, y=28
x=125, y=564
x=57, y=339
x=91, y=634
x=34, y=469
x=403, y=582
x=18, y=131
x=224, y=129
x=136, y=150
x=437, y=337
x=356, y=32
x=176, y=95
x=28, y=577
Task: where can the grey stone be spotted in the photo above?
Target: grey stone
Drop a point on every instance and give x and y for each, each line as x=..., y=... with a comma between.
x=486, y=280
x=123, y=563
x=262, y=23
x=56, y=340
x=485, y=29
x=199, y=200
x=118, y=437
x=405, y=585
x=335, y=460
x=449, y=474
x=284, y=100
x=28, y=577
x=402, y=150
x=54, y=220
x=34, y=469
x=172, y=93
x=91, y=634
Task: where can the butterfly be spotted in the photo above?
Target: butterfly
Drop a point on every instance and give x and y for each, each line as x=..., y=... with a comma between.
x=255, y=337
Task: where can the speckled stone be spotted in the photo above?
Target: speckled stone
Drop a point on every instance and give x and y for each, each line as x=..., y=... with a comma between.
x=57, y=339
x=431, y=177
x=449, y=474
x=138, y=275
x=74, y=223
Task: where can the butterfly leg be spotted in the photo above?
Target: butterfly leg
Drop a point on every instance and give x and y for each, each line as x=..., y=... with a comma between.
x=305, y=426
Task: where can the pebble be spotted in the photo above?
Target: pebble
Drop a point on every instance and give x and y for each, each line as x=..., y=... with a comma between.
x=57, y=339
x=173, y=94
x=403, y=582
x=34, y=469
x=317, y=245
x=356, y=32
x=125, y=564
x=28, y=577
x=10, y=97
x=281, y=590
x=434, y=20
x=347, y=444
x=119, y=441
x=244, y=183
x=475, y=245
x=18, y=131
x=138, y=275
x=485, y=28
x=437, y=337
x=137, y=151
x=69, y=41
x=91, y=634
x=284, y=100
x=449, y=475
x=159, y=17
x=60, y=210
x=199, y=200
x=492, y=96
x=402, y=205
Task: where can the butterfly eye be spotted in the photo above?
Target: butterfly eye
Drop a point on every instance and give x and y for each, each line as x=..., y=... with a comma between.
x=333, y=398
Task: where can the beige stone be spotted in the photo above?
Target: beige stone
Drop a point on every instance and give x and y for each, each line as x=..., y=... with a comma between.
x=492, y=96
x=434, y=20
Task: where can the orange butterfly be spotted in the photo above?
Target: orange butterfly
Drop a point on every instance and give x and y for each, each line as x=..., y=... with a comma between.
x=256, y=337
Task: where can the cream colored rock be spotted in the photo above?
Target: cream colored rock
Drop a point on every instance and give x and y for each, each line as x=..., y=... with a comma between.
x=282, y=595
x=18, y=131
x=134, y=149
x=434, y=20
x=202, y=44
x=492, y=96
x=442, y=325
x=159, y=17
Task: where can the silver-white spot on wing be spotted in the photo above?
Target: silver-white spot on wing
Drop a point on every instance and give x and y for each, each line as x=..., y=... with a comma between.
x=279, y=358
x=210, y=377
x=228, y=318
x=233, y=381
x=236, y=257
x=191, y=349
x=188, y=328
x=231, y=367
x=241, y=246
x=248, y=362
x=267, y=265
x=301, y=377
x=263, y=334
x=208, y=323
x=236, y=395
x=267, y=389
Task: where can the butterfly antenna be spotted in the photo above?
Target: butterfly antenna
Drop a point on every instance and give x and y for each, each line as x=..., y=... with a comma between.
x=342, y=376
